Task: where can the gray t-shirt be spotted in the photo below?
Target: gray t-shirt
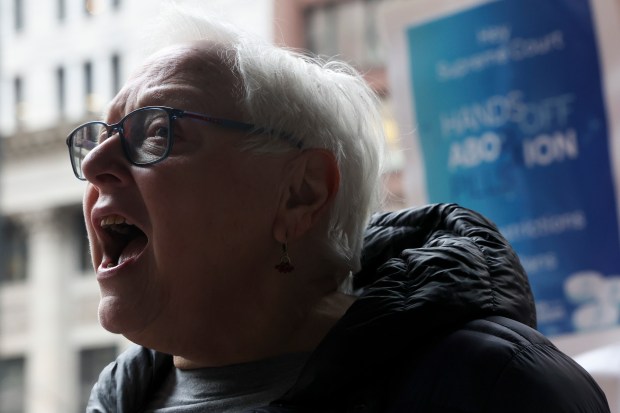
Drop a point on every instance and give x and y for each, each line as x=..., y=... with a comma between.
x=227, y=389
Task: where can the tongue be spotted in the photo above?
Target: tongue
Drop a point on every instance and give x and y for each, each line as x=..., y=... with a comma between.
x=133, y=248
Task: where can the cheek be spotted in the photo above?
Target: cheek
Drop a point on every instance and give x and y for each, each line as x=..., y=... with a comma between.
x=205, y=241
x=209, y=213
x=205, y=192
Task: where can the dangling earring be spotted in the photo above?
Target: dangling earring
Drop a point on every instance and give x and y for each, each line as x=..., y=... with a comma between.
x=285, y=265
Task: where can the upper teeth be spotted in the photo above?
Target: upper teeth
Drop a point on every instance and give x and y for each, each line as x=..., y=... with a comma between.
x=112, y=220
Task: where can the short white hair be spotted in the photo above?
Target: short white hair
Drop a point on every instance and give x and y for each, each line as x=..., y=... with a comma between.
x=319, y=103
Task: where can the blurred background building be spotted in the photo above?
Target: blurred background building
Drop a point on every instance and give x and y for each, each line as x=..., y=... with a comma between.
x=60, y=62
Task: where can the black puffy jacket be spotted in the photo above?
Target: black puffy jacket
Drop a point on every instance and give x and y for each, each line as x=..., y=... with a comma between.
x=444, y=323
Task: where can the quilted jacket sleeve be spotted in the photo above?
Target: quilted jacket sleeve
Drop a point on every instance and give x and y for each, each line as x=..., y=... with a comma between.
x=538, y=377
x=497, y=365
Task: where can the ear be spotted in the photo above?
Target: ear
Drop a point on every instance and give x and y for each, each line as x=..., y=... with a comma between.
x=310, y=187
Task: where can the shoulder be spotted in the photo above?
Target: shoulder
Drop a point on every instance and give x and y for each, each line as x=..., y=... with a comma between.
x=124, y=384
x=497, y=365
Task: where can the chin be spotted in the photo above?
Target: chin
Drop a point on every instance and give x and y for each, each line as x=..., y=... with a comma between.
x=116, y=317
x=109, y=321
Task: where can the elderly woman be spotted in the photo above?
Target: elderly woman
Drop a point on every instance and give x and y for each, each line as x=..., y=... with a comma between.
x=229, y=188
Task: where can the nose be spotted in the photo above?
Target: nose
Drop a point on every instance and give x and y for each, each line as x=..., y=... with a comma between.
x=106, y=164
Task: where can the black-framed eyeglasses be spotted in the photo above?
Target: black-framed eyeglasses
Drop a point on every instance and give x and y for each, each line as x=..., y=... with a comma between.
x=146, y=135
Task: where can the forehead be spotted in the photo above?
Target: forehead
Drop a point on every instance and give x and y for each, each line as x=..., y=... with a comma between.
x=190, y=76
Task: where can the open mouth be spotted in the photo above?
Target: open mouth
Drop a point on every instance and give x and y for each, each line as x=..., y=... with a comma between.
x=123, y=241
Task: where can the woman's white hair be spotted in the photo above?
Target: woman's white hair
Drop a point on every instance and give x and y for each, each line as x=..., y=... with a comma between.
x=320, y=104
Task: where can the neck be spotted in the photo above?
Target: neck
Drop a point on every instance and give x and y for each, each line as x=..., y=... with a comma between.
x=321, y=320
x=305, y=336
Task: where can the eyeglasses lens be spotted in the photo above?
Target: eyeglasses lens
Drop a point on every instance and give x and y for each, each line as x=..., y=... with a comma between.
x=147, y=135
x=86, y=139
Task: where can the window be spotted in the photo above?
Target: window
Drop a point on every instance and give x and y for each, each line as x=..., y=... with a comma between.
x=61, y=10
x=93, y=7
x=60, y=90
x=88, y=86
x=14, y=251
x=12, y=385
x=18, y=90
x=88, y=7
x=373, y=51
x=92, y=361
x=20, y=105
x=346, y=29
x=18, y=14
x=322, y=29
x=116, y=74
x=82, y=247
x=88, y=78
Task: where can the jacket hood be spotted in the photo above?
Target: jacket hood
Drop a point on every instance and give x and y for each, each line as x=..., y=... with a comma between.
x=425, y=271
x=445, y=256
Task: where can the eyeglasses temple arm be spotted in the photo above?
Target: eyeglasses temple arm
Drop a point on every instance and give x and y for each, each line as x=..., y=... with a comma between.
x=218, y=121
x=236, y=125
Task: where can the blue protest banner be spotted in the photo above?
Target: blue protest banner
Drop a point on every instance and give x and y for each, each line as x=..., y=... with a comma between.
x=512, y=123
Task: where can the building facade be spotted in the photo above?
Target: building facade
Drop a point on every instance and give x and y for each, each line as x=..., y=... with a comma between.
x=60, y=62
